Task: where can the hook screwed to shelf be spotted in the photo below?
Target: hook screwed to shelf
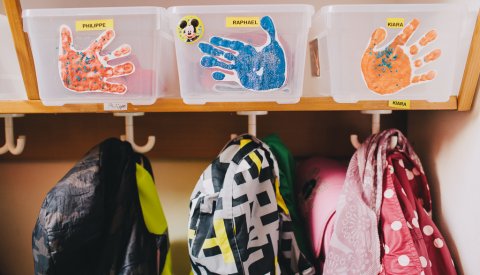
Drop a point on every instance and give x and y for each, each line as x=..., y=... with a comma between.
x=129, y=133
x=10, y=146
x=375, y=127
x=252, y=120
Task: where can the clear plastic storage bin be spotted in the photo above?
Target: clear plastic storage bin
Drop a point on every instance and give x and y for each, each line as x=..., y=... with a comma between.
x=96, y=55
x=11, y=81
x=241, y=53
x=386, y=52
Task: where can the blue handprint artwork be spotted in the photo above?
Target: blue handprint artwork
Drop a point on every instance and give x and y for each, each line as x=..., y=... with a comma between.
x=260, y=68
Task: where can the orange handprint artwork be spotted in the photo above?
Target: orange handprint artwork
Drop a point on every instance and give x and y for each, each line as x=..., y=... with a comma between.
x=87, y=70
x=392, y=68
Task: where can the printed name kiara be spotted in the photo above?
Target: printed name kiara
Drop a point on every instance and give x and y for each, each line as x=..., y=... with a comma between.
x=245, y=22
x=399, y=103
x=94, y=25
x=395, y=24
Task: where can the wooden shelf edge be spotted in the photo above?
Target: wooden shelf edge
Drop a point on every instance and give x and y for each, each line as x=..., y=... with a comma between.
x=13, y=10
x=471, y=72
x=177, y=105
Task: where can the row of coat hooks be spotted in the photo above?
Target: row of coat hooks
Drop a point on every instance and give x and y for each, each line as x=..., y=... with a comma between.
x=17, y=148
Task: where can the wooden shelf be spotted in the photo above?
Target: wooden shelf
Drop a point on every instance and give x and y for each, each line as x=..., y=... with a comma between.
x=177, y=105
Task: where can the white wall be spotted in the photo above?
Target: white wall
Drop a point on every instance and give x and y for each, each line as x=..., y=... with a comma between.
x=448, y=143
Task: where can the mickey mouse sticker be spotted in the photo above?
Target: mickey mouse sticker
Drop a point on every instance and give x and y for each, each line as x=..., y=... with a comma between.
x=190, y=29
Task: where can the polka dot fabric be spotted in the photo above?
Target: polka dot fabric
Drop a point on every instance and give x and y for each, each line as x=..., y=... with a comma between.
x=411, y=243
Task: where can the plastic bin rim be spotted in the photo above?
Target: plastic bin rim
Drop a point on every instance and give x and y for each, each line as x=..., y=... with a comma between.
x=28, y=13
x=232, y=9
x=390, y=7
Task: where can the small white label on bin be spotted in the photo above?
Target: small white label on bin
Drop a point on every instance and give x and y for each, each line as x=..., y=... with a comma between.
x=115, y=106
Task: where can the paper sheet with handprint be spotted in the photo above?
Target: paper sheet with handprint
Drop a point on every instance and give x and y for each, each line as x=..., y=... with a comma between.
x=256, y=68
x=392, y=68
x=88, y=70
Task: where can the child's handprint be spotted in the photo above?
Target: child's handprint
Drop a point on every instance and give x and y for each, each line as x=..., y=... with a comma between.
x=390, y=69
x=255, y=68
x=87, y=70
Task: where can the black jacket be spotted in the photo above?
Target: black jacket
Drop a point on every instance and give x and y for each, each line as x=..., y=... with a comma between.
x=91, y=222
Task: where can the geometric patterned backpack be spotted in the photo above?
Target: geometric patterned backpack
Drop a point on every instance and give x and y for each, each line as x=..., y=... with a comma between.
x=238, y=222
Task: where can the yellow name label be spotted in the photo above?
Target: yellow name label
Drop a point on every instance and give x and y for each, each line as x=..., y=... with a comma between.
x=242, y=22
x=395, y=23
x=399, y=104
x=93, y=25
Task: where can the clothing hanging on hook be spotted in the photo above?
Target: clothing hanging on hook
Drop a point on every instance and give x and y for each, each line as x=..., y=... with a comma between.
x=239, y=222
x=319, y=182
x=400, y=239
x=103, y=217
x=286, y=167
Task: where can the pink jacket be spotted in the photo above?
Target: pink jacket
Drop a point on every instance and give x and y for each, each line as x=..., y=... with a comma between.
x=411, y=243
x=382, y=222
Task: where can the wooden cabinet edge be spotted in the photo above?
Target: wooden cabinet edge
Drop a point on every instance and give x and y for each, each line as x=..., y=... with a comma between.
x=177, y=105
x=22, y=46
x=471, y=72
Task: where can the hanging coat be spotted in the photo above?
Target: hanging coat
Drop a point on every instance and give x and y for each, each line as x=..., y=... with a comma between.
x=239, y=223
x=91, y=222
x=355, y=245
x=287, y=166
x=411, y=243
x=386, y=188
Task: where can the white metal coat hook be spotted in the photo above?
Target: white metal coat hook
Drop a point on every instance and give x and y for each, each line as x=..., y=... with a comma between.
x=9, y=141
x=375, y=127
x=252, y=120
x=129, y=134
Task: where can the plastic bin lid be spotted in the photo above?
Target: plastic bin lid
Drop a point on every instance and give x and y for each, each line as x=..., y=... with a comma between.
x=381, y=8
x=229, y=9
x=92, y=11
